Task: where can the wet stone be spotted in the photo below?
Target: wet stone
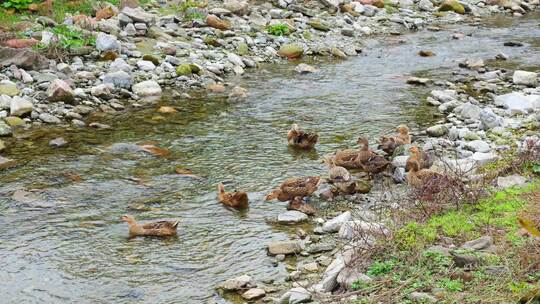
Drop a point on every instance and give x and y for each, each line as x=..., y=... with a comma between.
x=58, y=142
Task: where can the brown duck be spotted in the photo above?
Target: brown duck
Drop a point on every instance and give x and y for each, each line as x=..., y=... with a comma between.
x=424, y=160
x=419, y=177
x=159, y=228
x=375, y=164
x=298, y=138
x=353, y=158
x=295, y=187
x=390, y=143
x=237, y=199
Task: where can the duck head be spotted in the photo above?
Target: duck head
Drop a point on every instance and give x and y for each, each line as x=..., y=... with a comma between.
x=362, y=141
x=402, y=129
x=128, y=218
x=414, y=150
x=272, y=195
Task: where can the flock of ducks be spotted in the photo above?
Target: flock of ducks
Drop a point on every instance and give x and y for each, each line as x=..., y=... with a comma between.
x=296, y=189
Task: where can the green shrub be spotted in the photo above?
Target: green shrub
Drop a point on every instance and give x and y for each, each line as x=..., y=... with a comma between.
x=279, y=29
x=16, y=4
x=69, y=37
x=380, y=268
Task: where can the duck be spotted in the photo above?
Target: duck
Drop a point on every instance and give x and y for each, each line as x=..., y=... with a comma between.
x=424, y=160
x=298, y=138
x=352, y=158
x=298, y=204
x=390, y=143
x=374, y=164
x=337, y=173
x=418, y=177
x=158, y=228
x=237, y=199
x=295, y=187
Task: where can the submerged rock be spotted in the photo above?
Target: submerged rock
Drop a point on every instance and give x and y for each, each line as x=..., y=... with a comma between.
x=284, y=247
x=6, y=163
x=237, y=283
x=290, y=217
x=5, y=130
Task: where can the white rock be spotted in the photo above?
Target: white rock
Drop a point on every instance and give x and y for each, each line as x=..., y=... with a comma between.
x=284, y=247
x=349, y=275
x=235, y=59
x=425, y=5
x=400, y=161
x=147, y=88
x=525, y=78
x=20, y=106
x=105, y=42
x=518, y=102
x=334, y=224
x=292, y=216
x=490, y=120
x=484, y=158
x=145, y=65
x=236, y=283
x=444, y=95
x=253, y=293
x=510, y=181
x=329, y=280
x=5, y=102
x=352, y=229
x=478, y=146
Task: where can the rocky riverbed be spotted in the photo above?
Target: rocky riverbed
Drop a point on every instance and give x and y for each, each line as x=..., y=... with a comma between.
x=478, y=102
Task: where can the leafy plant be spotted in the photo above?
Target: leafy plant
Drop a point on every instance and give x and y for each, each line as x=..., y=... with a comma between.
x=356, y=285
x=279, y=29
x=380, y=268
x=450, y=285
x=17, y=4
x=69, y=37
x=184, y=6
x=195, y=15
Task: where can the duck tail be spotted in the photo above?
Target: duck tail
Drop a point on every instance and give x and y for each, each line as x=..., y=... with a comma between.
x=221, y=188
x=175, y=224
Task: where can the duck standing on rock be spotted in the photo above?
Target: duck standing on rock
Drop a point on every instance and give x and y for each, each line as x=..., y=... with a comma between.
x=424, y=160
x=353, y=158
x=340, y=177
x=295, y=187
x=374, y=165
x=237, y=199
x=298, y=138
x=390, y=143
x=159, y=228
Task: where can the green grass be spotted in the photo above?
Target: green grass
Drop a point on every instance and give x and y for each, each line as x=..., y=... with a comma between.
x=279, y=29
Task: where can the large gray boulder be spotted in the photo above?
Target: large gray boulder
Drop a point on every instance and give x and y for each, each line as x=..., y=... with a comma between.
x=20, y=106
x=105, y=42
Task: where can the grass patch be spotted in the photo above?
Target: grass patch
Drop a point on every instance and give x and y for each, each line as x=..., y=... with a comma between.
x=279, y=29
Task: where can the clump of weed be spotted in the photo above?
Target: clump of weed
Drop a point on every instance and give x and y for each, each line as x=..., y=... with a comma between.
x=279, y=29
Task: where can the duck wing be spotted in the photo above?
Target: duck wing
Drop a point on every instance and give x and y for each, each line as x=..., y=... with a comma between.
x=300, y=186
x=161, y=225
x=339, y=174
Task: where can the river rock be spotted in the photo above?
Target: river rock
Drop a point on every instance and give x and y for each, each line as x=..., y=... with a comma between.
x=490, y=120
x=2, y=146
x=138, y=15
x=518, y=102
x=6, y=163
x=236, y=7
x=444, y=95
x=479, y=244
x=511, y=181
x=119, y=79
x=8, y=88
x=144, y=65
x=353, y=229
x=484, y=158
x=426, y=5
x=253, y=294
x=525, y=78
x=292, y=216
x=58, y=142
x=437, y=130
x=329, y=279
x=147, y=88
x=335, y=224
x=103, y=90
x=295, y=295
x=422, y=297
x=5, y=102
x=119, y=65
x=14, y=121
x=20, y=106
x=468, y=111
x=235, y=284
x=22, y=58
x=284, y=247
x=217, y=23
x=49, y=118
x=291, y=51
x=105, y=42
x=452, y=5
x=478, y=146
x=59, y=90
x=349, y=275
x=237, y=94
x=400, y=161
x=5, y=130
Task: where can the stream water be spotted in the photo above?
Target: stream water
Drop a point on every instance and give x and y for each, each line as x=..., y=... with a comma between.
x=68, y=244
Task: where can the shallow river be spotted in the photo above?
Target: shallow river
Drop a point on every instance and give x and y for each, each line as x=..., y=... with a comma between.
x=69, y=245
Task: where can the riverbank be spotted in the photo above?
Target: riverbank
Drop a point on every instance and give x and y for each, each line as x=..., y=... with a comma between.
x=93, y=169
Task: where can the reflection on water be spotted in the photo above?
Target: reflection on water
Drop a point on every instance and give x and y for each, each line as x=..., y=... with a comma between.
x=67, y=244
